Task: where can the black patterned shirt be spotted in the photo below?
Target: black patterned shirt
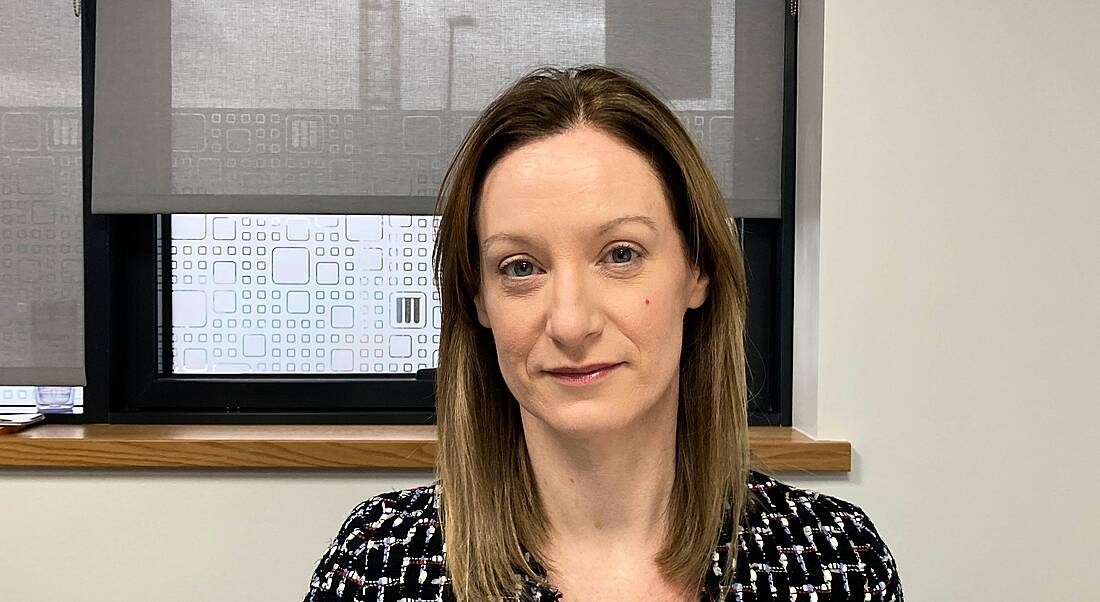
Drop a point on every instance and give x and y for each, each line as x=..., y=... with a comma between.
x=797, y=546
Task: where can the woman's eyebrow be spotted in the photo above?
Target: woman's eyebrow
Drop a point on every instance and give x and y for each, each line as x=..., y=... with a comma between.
x=618, y=221
x=641, y=219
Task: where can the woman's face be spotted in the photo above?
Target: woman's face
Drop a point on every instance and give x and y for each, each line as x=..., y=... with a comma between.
x=582, y=264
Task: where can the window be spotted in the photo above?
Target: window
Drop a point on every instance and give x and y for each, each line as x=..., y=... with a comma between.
x=303, y=294
x=47, y=400
x=259, y=226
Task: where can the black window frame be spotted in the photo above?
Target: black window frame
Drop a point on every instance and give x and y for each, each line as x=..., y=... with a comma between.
x=125, y=327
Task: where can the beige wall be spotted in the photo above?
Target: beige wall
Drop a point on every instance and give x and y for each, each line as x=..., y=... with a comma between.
x=949, y=333
x=958, y=288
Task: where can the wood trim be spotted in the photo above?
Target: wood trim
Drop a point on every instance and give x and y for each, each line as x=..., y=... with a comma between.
x=786, y=449
x=318, y=446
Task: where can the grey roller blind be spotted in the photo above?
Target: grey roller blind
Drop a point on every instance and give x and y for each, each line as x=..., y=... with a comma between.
x=355, y=106
x=41, y=209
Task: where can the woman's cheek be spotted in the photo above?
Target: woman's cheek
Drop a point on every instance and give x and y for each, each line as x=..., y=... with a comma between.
x=512, y=354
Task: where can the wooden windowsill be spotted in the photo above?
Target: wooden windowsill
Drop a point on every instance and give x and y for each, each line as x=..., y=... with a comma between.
x=316, y=446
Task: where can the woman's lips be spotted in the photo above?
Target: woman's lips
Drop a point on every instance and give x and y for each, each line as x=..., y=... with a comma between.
x=585, y=378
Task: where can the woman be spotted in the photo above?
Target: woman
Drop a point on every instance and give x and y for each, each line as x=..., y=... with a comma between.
x=591, y=395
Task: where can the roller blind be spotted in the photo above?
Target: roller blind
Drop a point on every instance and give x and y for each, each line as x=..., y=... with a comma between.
x=356, y=106
x=41, y=208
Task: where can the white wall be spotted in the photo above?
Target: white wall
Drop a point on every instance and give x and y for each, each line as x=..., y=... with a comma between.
x=955, y=339
x=173, y=536
x=959, y=289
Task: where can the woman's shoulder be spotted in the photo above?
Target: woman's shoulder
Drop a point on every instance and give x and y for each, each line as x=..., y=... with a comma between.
x=393, y=514
x=817, y=542
x=390, y=546
x=775, y=496
x=414, y=503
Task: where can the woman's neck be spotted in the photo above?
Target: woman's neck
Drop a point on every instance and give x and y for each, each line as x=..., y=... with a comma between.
x=606, y=490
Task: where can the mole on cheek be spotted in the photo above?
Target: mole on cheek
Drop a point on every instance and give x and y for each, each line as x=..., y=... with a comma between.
x=647, y=301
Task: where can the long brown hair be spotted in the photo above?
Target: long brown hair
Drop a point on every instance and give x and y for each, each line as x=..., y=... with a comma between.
x=490, y=509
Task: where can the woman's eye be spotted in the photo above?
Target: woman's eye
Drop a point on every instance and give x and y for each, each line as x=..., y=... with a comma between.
x=623, y=252
x=620, y=254
x=523, y=268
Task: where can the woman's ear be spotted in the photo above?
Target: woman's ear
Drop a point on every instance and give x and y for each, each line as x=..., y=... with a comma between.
x=699, y=288
x=482, y=316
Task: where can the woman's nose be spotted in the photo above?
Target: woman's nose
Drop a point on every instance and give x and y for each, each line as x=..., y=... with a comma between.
x=574, y=312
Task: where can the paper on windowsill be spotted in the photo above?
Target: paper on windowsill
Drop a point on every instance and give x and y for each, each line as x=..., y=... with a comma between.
x=9, y=423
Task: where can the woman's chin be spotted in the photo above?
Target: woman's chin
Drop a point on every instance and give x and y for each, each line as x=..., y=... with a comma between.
x=588, y=418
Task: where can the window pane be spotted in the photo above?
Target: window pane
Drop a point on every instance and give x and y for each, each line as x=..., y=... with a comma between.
x=48, y=400
x=301, y=294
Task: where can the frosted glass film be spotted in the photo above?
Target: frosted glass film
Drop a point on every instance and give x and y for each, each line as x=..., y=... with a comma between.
x=48, y=400
x=41, y=208
x=303, y=294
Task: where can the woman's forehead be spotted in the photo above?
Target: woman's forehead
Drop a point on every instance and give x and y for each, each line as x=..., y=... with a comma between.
x=581, y=177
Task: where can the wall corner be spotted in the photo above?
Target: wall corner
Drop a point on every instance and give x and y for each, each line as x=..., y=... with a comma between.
x=811, y=50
